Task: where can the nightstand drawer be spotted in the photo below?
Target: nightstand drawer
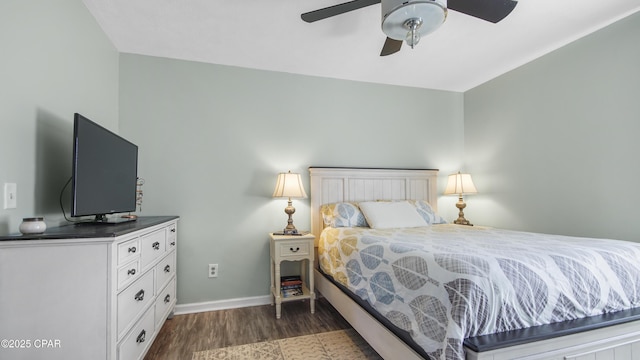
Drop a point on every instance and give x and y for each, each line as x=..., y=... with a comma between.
x=293, y=249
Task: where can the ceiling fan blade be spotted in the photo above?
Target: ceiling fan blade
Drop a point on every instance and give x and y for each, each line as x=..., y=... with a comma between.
x=489, y=10
x=337, y=10
x=391, y=46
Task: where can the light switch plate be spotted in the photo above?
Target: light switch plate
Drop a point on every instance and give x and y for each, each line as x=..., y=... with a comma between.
x=10, y=195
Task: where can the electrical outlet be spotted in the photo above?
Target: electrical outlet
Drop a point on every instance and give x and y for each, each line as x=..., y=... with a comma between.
x=213, y=270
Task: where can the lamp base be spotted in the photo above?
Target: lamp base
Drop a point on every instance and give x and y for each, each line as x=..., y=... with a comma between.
x=289, y=229
x=461, y=220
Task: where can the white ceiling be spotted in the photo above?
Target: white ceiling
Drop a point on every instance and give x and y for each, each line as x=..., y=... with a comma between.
x=269, y=35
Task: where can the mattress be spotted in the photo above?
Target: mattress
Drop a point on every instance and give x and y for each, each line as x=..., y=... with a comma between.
x=445, y=283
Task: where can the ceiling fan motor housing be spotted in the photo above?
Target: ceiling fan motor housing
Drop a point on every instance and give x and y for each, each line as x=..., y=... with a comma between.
x=397, y=13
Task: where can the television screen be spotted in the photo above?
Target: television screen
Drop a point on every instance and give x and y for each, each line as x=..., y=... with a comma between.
x=105, y=170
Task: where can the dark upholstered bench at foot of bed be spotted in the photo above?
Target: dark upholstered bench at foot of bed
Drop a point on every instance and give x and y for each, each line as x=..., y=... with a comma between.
x=544, y=332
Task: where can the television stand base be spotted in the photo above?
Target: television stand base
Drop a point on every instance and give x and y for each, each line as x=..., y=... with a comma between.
x=104, y=220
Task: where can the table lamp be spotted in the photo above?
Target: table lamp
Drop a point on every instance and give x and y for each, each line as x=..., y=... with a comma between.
x=289, y=186
x=460, y=184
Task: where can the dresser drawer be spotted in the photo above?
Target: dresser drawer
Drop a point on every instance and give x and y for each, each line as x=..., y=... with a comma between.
x=165, y=270
x=133, y=300
x=153, y=246
x=293, y=249
x=128, y=273
x=139, y=338
x=165, y=300
x=172, y=233
x=128, y=250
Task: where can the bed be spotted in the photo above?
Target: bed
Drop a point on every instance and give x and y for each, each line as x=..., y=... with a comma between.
x=594, y=316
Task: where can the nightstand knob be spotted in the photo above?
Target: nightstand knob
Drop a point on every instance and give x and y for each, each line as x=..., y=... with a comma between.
x=156, y=245
x=294, y=250
x=132, y=249
x=131, y=272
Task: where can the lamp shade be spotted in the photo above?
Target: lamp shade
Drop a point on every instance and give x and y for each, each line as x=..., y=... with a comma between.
x=460, y=184
x=289, y=186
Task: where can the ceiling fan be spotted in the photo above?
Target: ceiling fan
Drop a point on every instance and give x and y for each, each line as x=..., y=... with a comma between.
x=409, y=20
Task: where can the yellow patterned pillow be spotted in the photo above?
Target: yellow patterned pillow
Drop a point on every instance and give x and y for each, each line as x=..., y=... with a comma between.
x=343, y=214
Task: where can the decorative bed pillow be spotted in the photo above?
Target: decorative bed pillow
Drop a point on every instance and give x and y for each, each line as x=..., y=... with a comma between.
x=343, y=214
x=394, y=214
x=426, y=211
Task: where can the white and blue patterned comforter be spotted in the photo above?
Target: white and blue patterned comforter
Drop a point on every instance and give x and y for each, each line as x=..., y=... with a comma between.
x=445, y=283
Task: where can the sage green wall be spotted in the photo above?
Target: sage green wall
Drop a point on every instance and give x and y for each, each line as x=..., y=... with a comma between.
x=213, y=139
x=55, y=60
x=553, y=145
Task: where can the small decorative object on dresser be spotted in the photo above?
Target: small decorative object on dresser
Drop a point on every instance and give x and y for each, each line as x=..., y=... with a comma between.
x=33, y=225
x=460, y=184
x=286, y=288
x=139, y=183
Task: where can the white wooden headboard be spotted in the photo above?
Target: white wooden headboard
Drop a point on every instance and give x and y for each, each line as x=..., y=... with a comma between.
x=330, y=185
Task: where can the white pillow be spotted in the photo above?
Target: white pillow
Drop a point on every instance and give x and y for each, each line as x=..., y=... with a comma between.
x=391, y=214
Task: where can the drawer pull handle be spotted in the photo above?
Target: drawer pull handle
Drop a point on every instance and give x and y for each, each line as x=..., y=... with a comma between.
x=131, y=272
x=173, y=230
x=139, y=296
x=167, y=269
x=167, y=299
x=140, y=338
x=173, y=243
x=156, y=245
x=132, y=249
x=294, y=250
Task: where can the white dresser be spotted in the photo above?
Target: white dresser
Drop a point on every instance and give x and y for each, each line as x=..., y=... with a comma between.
x=87, y=291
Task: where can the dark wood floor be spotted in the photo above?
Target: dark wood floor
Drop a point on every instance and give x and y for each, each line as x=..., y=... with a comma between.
x=183, y=335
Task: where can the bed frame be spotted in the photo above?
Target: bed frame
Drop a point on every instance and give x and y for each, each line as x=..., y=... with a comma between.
x=620, y=341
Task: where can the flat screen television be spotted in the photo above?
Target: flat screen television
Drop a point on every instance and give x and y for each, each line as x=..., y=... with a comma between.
x=105, y=171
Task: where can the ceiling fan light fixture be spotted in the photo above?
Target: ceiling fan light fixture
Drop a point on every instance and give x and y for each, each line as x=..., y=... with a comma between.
x=402, y=20
x=413, y=35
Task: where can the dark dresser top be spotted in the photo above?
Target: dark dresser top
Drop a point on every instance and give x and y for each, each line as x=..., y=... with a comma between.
x=92, y=230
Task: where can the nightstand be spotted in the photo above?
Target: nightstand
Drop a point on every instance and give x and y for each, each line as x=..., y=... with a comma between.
x=292, y=248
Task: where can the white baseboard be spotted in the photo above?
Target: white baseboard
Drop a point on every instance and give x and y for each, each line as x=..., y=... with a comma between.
x=181, y=309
